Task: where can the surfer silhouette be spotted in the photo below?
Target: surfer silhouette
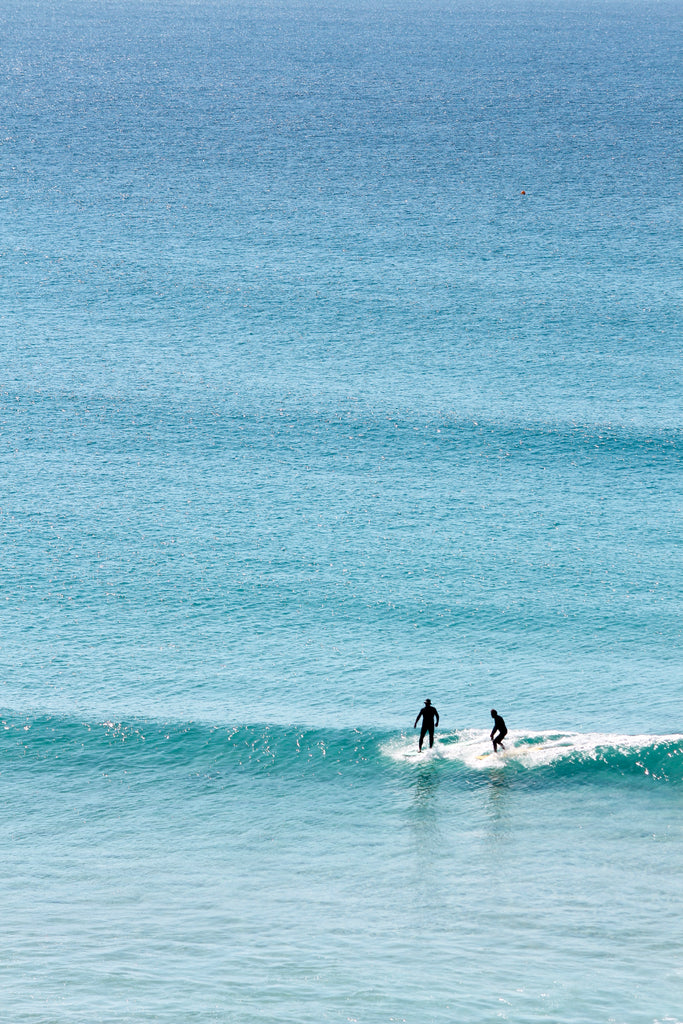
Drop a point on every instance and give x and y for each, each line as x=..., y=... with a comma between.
x=499, y=729
x=430, y=718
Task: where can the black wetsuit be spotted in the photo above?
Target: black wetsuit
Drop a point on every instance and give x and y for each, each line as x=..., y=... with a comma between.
x=430, y=718
x=500, y=728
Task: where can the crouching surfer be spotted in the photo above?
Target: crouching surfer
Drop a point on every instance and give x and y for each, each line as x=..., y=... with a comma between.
x=499, y=731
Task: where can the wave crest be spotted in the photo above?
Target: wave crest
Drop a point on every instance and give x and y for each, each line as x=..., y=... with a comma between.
x=660, y=757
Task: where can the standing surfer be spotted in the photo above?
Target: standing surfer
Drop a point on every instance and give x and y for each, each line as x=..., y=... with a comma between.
x=430, y=718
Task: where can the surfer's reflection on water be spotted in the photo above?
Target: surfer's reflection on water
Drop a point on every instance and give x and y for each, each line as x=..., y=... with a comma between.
x=426, y=785
x=424, y=816
x=497, y=811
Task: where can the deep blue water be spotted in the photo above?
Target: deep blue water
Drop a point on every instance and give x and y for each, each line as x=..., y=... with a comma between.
x=341, y=367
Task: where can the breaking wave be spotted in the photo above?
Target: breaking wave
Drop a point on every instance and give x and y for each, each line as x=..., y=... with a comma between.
x=62, y=744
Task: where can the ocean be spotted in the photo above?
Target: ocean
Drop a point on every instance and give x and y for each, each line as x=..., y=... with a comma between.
x=341, y=369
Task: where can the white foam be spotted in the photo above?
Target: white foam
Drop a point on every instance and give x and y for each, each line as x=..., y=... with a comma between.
x=473, y=748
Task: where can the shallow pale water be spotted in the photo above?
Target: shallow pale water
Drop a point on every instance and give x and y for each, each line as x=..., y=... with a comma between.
x=341, y=368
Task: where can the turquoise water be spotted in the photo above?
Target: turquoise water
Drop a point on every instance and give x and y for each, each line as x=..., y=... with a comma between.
x=341, y=368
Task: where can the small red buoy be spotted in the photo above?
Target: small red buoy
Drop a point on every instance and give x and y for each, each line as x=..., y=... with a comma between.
x=523, y=192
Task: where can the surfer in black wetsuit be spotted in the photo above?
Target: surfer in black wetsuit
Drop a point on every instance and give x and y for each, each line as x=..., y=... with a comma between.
x=500, y=729
x=430, y=718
